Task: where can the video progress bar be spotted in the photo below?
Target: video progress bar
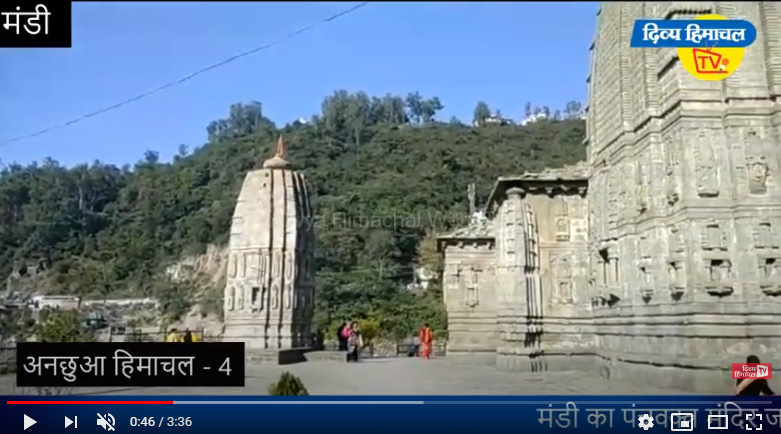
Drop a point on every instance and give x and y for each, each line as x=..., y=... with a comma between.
x=299, y=402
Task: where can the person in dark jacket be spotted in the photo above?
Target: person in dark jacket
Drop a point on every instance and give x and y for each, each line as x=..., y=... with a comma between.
x=341, y=338
x=752, y=386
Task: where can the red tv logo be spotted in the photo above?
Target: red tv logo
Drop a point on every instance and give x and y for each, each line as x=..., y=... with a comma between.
x=752, y=370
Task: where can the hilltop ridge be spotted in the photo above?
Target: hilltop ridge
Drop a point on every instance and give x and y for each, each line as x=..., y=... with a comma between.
x=100, y=230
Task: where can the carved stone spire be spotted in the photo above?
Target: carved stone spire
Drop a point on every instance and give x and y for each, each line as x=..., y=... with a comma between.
x=278, y=160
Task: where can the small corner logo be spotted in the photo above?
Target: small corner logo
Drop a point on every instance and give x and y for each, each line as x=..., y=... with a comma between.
x=752, y=370
x=710, y=47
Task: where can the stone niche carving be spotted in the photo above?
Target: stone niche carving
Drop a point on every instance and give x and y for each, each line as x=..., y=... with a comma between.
x=770, y=275
x=764, y=236
x=758, y=169
x=706, y=169
x=275, y=297
x=675, y=273
x=252, y=261
x=561, y=267
x=232, y=267
x=675, y=240
x=672, y=188
x=646, y=280
x=263, y=266
x=242, y=272
x=719, y=282
x=289, y=269
x=288, y=296
x=757, y=175
x=714, y=237
x=562, y=220
x=276, y=265
x=471, y=294
x=641, y=188
x=229, y=301
x=239, y=298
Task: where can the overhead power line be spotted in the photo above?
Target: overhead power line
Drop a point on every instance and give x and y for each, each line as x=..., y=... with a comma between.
x=189, y=76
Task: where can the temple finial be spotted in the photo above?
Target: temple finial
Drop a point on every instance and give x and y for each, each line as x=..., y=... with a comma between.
x=281, y=151
x=278, y=160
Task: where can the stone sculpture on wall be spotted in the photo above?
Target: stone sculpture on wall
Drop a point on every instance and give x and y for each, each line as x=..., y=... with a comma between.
x=757, y=176
x=707, y=172
x=758, y=169
x=561, y=267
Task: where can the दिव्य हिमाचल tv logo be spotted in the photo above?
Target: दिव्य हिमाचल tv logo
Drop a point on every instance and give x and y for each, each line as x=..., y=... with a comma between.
x=710, y=47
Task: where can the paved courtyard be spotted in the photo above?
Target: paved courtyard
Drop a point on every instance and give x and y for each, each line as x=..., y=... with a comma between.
x=400, y=376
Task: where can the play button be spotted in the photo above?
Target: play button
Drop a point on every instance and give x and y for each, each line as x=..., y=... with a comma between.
x=28, y=422
x=68, y=422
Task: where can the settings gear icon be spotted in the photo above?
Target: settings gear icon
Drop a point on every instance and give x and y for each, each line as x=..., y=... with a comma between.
x=645, y=422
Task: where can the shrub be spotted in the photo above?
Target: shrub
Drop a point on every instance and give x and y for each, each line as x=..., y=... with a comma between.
x=288, y=385
x=370, y=329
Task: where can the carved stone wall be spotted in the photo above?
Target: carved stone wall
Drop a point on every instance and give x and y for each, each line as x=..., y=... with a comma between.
x=670, y=270
x=564, y=273
x=541, y=227
x=684, y=205
x=270, y=283
x=470, y=296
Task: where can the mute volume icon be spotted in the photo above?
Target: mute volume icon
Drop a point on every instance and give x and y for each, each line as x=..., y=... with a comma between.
x=106, y=421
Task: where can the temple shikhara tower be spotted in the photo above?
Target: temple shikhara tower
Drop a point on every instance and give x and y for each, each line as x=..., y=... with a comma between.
x=657, y=259
x=269, y=289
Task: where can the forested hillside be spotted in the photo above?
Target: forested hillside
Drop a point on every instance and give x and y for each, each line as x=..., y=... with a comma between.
x=386, y=176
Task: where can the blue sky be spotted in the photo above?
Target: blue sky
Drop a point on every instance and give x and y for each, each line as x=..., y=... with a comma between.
x=501, y=53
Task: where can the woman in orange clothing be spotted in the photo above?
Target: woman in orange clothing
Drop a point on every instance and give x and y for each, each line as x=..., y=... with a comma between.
x=426, y=340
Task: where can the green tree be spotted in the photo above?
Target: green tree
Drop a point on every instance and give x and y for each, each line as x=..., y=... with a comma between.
x=62, y=326
x=481, y=113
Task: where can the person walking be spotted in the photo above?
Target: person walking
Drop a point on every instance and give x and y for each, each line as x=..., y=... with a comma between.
x=415, y=350
x=752, y=386
x=188, y=336
x=426, y=340
x=354, y=343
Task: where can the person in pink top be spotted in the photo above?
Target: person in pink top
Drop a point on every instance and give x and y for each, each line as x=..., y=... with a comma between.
x=345, y=336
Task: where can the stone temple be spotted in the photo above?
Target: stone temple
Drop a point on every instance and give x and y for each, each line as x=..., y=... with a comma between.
x=657, y=259
x=269, y=288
